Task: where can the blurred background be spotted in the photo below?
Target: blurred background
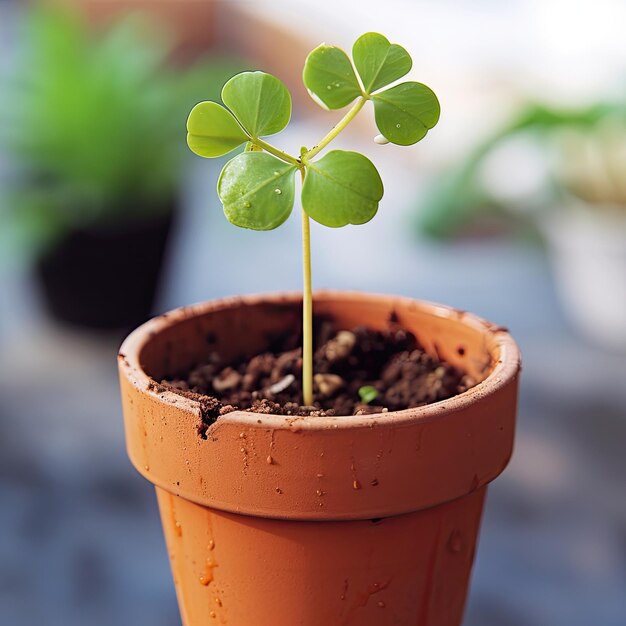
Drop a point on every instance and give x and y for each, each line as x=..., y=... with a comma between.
x=514, y=207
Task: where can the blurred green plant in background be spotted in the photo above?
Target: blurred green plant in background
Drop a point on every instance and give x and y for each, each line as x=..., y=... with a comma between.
x=579, y=155
x=90, y=125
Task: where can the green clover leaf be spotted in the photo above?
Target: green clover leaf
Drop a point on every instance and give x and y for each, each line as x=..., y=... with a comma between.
x=341, y=188
x=368, y=394
x=329, y=76
x=379, y=62
x=257, y=190
x=213, y=131
x=405, y=113
x=260, y=102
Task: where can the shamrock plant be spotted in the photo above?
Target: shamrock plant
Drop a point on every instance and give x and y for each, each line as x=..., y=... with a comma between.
x=257, y=187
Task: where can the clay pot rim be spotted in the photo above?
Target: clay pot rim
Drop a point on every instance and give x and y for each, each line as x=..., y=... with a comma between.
x=506, y=367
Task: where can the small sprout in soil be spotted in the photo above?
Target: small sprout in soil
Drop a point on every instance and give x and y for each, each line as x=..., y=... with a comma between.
x=368, y=394
x=257, y=187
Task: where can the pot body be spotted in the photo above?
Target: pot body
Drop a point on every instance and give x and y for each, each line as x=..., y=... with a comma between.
x=405, y=570
x=587, y=248
x=346, y=521
x=106, y=276
x=191, y=22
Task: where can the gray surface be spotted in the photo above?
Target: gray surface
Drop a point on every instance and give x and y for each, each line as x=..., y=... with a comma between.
x=80, y=541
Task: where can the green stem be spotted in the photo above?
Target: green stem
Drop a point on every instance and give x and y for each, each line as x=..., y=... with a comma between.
x=307, y=311
x=348, y=117
x=268, y=147
x=307, y=291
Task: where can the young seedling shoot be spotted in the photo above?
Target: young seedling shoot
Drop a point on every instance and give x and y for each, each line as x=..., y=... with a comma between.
x=368, y=394
x=257, y=187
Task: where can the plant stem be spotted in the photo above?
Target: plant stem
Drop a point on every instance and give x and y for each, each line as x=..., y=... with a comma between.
x=307, y=311
x=283, y=156
x=347, y=118
x=307, y=291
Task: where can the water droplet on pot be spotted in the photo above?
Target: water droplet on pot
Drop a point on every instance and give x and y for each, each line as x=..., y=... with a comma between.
x=147, y=468
x=211, y=545
x=212, y=614
x=178, y=528
x=204, y=581
x=455, y=543
x=278, y=191
x=269, y=460
x=218, y=602
x=381, y=604
x=356, y=484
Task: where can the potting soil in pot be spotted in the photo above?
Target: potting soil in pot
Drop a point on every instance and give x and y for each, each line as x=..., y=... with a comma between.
x=401, y=373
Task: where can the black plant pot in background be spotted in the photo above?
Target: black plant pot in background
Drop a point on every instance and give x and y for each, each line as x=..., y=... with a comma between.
x=106, y=276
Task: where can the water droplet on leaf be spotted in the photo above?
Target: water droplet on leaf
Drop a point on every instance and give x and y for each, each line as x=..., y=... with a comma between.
x=247, y=205
x=277, y=191
x=398, y=125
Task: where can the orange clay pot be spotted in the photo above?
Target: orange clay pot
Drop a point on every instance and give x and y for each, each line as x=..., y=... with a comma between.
x=335, y=521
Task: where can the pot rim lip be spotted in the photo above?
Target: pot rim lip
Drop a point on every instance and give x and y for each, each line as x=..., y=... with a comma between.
x=502, y=373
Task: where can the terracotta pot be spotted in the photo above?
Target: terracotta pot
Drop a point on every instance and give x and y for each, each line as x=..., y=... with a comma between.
x=339, y=521
x=191, y=22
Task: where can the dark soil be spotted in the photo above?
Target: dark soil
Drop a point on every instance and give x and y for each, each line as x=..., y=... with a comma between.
x=391, y=361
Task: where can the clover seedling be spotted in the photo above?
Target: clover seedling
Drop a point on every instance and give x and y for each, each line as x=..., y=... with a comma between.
x=368, y=394
x=257, y=187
